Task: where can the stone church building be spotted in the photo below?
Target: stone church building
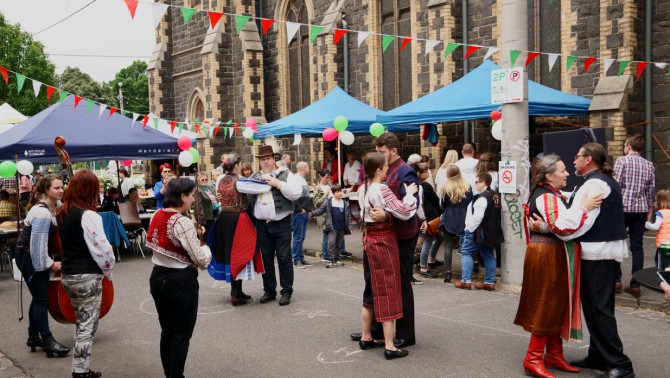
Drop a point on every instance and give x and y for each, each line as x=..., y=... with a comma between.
x=199, y=73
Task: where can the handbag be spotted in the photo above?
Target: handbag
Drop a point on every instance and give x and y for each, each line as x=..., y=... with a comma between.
x=432, y=227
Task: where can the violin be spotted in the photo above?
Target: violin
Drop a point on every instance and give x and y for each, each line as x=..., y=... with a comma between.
x=60, y=306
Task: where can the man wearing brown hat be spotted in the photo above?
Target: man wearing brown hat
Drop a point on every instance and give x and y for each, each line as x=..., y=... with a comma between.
x=272, y=196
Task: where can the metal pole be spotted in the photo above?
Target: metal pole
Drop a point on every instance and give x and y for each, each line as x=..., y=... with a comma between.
x=648, y=104
x=345, y=51
x=464, y=16
x=515, y=146
x=120, y=96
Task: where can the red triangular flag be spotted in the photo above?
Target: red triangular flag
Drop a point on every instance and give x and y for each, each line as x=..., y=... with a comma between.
x=339, y=33
x=471, y=49
x=76, y=101
x=405, y=42
x=132, y=7
x=216, y=130
x=173, y=124
x=640, y=68
x=197, y=128
x=144, y=121
x=112, y=110
x=3, y=71
x=50, y=91
x=531, y=55
x=266, y=24
x=587, y=63
x=237, y=129
x=214, y=18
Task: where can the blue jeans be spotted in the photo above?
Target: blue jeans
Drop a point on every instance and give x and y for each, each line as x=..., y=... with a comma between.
x=299, y=222
x=469, y=250
x=324, y=246
x=38, y=285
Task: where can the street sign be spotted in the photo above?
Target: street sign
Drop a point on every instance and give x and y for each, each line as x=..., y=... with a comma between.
x=507, y=85
x=507, y=177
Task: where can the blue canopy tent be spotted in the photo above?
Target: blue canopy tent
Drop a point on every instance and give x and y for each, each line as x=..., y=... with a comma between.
x=88, y=136
x=470, y=98
x=318, y=116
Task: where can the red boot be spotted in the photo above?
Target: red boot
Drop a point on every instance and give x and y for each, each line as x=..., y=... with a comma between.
x=554, y=356
x=533, y=361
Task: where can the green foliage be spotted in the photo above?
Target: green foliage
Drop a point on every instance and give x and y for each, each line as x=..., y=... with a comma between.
x=135, y=87
x=20, y=53
x=81, y=84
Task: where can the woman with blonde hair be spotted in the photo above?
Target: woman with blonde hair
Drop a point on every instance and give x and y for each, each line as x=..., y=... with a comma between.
x=456, y=195
x=450, y=158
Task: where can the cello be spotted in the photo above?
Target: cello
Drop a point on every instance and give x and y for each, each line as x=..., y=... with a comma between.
x=60, y=306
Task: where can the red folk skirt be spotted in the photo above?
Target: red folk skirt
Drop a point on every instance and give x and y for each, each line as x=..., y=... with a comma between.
x=381, y=248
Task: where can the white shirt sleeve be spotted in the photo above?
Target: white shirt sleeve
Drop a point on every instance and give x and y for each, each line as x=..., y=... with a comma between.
x=590, y=188
x=252, y=186
x=290, y=189
x=562, y=222
x=656, y=225
x=475, y=219
x=184, y=230
x=97, y=243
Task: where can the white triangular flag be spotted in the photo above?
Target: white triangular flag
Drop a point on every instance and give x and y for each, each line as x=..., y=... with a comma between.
x=491, y=51
x=135, y=115
x=661, y=65
x=291, y=29
x=362, y=36
x=101, y=109
x=158, y=10
x=552, y=60
x=430, y=45
x=297, y=137
x=36, y=87
x=608, y=64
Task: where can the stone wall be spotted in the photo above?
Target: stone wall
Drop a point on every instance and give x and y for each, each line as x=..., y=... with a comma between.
x=661, y=93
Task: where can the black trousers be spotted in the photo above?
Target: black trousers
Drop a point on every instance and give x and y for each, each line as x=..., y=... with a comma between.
x=38, y=285
x=597, y=292
x=275, y=239
x=635, y=224
x=175, y=292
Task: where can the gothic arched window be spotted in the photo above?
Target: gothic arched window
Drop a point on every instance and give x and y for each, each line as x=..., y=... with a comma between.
x=196, y=107
x=396, y=65
x=298, y=58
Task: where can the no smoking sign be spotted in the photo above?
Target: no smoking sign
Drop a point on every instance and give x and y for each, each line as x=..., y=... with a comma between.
x=507, y=174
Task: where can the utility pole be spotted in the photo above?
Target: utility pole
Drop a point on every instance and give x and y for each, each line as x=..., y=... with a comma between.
x=120, y=96
x=514, y=147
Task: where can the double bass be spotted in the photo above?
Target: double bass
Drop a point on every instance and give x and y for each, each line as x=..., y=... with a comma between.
x=60, y=306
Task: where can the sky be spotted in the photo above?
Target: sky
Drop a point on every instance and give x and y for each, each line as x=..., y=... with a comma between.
x=103, y=28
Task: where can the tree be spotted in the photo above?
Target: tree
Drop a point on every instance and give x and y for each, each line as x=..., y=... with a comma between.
x=135, y=87
x=20, y=53
x=74, y=81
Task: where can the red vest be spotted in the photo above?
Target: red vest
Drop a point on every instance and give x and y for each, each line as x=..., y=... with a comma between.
x=161, y=237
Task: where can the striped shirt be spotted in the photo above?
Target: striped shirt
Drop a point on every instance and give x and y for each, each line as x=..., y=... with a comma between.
x=636, y=176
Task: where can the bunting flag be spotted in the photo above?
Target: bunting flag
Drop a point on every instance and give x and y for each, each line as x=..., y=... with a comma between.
x=112, y=110
x=531, y=55
x=214, y=18
x=314, y=31
x=491, y=51
x=145, y=121
x=89, y=105
x=266, y=24
x=660, y=65
x=430, y=45
x=156, y=120
x=158, y=10
x=450, y=48
x=3, y=71
x=187, y=13
x=339, y=33
x=291, y=29
x=180, y=126
x=63, y=95
x=240, y=23
x=77, y=99
x=569, y=62
x=173, y=124
x=608, y=64
x=237, y=128
x=362, y=36
x=470, y=50
x=640, y=68
x=216, y=131
x=587, y=63
x=20, y=80
x=101, y=109
x=513, y=56
x=132, y=7
x=405, y=42
x=622, y=66
x=50, y=91
x=36, y=87
x=552, y=60
x=386, y=41
x=135, y=115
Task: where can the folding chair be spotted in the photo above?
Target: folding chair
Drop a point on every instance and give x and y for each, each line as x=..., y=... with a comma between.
x=130, y=219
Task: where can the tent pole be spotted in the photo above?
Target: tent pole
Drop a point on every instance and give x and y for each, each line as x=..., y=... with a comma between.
x=339, y=161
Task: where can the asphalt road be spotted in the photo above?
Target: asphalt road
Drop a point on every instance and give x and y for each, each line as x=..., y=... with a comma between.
x=459, y=333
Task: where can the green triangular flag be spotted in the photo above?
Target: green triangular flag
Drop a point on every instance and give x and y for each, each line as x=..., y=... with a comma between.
x=188, y=14
x=571, y=59
x=20, y=79
x=156, y=123
x=240, y=22
x=386, y=41
x=89, y=105
x=205, y=129
x=125, y=112
x=314, y=31
x=513, y=56
x=180, y=126
x=63, y=95
x=450, y=48
x=622, y=66
x=230, y=122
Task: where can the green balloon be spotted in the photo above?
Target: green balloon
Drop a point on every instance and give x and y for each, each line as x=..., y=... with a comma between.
x=7, y=169
x=377, y=129
x=195, y=154
x=341, y=123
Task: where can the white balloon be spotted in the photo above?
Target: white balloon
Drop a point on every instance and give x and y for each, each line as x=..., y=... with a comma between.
x=346, y=137
x=185, y=159
x=112, y=165
x=248, y=133
x=24, y=167
x=497, y=130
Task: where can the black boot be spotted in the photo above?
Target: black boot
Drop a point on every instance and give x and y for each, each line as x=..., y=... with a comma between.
x=34, y=340
x=90, y=374
x=51, y=346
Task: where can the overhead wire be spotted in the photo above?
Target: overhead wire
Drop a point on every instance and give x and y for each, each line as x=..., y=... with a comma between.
x=65, y=18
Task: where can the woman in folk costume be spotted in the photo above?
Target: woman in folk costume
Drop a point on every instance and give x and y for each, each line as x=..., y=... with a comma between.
x=380, y=252
x=549, y=306
x=237, y=256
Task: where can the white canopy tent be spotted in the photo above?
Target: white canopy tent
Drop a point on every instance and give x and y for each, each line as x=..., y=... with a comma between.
x=9, y=117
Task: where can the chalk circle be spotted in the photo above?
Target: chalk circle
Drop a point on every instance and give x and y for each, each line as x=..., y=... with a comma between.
x=208, y=303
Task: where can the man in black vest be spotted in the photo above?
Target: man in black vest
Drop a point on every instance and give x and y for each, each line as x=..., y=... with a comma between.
x=603, y=242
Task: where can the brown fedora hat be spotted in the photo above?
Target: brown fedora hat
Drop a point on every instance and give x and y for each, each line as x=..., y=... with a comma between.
x=264, y=151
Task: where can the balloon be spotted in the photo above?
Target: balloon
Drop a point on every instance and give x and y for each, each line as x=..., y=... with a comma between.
x=127, y=163
x=329, y=134
x=347, y=137
x=112, y=165
x=250, y=124
x=185, y=158
x=495, y=115
x=377, y=129
x=497, y=131
x=248, y=133
x=195, y=154
x=25, y=167
x=184, y=143
x=7, y=169
x=341, y=123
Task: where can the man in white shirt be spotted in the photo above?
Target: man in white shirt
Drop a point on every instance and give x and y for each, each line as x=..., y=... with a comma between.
x=351, y=170
x=468, y=165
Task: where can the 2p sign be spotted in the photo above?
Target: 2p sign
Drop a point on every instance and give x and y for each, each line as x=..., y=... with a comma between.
x=507, y=85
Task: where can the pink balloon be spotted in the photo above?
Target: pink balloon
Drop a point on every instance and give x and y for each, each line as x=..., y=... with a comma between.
x=184, y=143
x=495, y=115
x=330, y=134
x=250, y=123
x=127, y=163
